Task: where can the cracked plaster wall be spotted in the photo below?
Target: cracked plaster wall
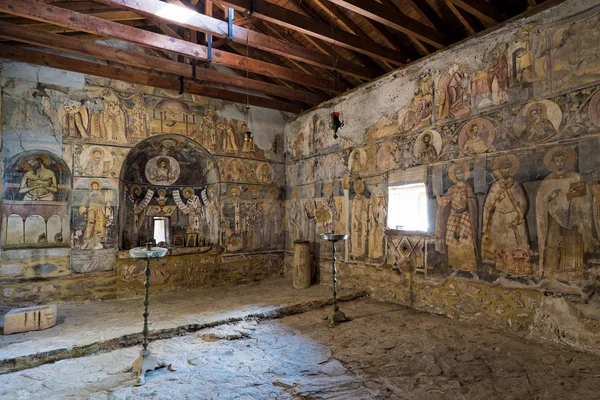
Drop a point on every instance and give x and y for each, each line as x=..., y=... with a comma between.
x=62, y=119
x=505, y=128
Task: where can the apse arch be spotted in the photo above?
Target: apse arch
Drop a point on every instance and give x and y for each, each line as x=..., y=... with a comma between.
x=169, y=189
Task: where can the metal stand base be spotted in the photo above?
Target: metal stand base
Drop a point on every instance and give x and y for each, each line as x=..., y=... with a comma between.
x=144, y=363
x=335, y=317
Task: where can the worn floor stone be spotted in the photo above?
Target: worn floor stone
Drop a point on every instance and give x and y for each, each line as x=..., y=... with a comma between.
x=88, y=327
x=385, y=352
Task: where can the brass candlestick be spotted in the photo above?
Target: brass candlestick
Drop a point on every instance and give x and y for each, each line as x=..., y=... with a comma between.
x=146, y=361
x=336, y=314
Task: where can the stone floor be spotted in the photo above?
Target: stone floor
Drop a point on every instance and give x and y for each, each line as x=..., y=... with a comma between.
x=88, y=327
x=385, y=352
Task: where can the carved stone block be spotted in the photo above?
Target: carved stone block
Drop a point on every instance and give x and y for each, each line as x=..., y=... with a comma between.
x=30, y=319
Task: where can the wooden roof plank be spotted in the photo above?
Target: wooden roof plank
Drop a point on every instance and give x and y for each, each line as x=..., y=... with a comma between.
x=127, y=57
x=481, y=9
x=393, y=18
x=137, y=77
x=85, y=23
x=309, y=26
x=193, y=20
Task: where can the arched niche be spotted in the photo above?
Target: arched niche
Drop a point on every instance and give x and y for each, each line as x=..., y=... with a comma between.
x=36, y=189
x=169, y=192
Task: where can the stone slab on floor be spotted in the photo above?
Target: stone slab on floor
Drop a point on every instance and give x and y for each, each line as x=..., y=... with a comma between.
x=88, y=327
x=385, y=352
x=27, y=319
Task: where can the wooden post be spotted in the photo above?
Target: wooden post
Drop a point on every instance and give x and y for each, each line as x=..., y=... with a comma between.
x=302, y=264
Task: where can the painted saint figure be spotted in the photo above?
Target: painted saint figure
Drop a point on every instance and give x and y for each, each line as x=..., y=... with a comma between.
x=358, y=235
x=98, y=216
x=96, y=166
x=162, y=172
x=195, y=212
x=74, y=120
x=427, y=152
x=456, y=220
x=39, y=182
x=209, y=129
x=113, y=119
x=377, y=212
x=138, y=126
x=563, y=217
x=505, y=237
x=229, y=141
x=498, y=76
x=474, y=143
x=539, y=127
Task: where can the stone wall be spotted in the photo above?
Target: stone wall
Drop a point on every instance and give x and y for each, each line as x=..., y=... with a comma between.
x=504, y=130
x=74, y=191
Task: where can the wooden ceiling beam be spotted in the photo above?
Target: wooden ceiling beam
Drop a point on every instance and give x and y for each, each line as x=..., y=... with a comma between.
x=334, y=12
x=135, y=59
x=364, y=59
x=202, y=23
x=428, y=13
x=470, y=30
x=309, y=26
x=393, y=18
x=481, y=9
x=97, y=26
x=137, y=77
x=279, y=31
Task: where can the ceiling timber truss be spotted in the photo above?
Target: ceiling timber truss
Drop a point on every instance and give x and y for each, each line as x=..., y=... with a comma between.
x=290, y=55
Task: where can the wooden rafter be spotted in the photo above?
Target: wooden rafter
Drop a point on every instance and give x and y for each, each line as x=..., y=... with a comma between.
x=393, y=18
x=311, y=27
x=190, y=19
x=131, y=58
x=97, y=26
x=137, y=77
x=481, y=9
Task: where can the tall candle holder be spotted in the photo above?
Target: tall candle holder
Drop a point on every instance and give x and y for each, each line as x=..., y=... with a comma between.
x=146, y=361
x=336, y=316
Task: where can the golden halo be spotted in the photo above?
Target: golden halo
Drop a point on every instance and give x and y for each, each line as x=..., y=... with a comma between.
x=474, y=122
x=328, y=189
x=134, y=189
x=188, y=192
x=359, y=186
x=503, y=160
x=94, y=181
x=44, y=159
x=162, y=192
x=274, y=192
x=537, y=106
x=179, y=142
x=101, y=150
x=234, y=191
x=568, y=152
x=461, y=165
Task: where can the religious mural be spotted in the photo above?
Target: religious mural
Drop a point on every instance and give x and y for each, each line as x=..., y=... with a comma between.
x=511, y=156
x=35, y=201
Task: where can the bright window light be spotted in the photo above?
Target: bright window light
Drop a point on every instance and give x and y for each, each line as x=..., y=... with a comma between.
x=175, y=13
x=160, y=229
x=407, y=207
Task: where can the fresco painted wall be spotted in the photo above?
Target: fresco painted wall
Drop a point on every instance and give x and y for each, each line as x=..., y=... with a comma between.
x=88, y=163
x=505, y=132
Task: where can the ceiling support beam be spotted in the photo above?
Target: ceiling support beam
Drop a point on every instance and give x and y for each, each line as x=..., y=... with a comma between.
x=481, y=9
x=202, y=23
x=108, y=53
x=309, y=26
x=390, y=16
x=141, y=78
x=97, y=26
